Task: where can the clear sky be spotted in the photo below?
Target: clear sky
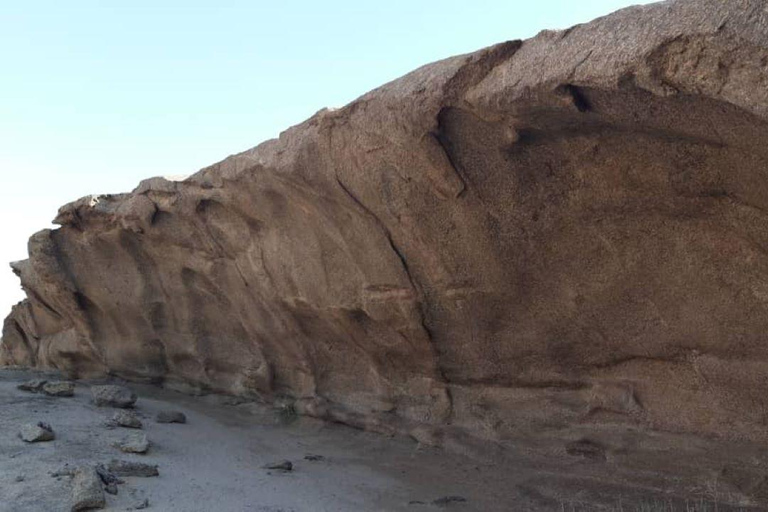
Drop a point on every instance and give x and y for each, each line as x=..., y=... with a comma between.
x=97, y=95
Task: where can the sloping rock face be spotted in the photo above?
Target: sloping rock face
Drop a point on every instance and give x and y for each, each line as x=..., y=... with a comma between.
x=569, y=230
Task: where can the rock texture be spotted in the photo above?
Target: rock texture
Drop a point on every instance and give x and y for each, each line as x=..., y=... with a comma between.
x=568, y=230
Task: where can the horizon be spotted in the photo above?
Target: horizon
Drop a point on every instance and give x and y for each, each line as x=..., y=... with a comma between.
x=98, y=98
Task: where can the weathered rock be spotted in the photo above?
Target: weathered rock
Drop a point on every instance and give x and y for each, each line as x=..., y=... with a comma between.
x=37, y=432
x=130, y=468
x=135, y=443
x=171, y=417
x=124, y=418
x=34, y=385
x=113, y=396
x=59, y=388
x=87, y=493
x=568, y=230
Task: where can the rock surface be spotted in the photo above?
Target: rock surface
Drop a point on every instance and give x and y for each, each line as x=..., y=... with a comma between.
x=113, y=396
x=568, y=230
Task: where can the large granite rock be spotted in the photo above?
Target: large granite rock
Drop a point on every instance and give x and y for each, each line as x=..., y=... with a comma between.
x=566, y=231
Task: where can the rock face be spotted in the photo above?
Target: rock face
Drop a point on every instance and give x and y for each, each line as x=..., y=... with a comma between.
x=568, y=230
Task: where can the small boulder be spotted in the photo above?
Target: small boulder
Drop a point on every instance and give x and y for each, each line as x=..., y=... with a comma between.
x=113, y=396
x=171, y=417
x=59, y=388
x=126, y=419
x=87, y=492
x=33, y=386
x=137, y=443
x=130, y=468
x=37, y=432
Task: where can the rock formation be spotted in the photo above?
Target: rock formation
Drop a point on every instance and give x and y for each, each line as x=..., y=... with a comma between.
x=566, y=231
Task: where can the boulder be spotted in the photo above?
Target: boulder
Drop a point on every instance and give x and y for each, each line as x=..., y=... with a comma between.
x=87, y=492
x=125, y=418
x=37, y=432
x=113, y=396
x=543, y=235
x=135, y=443
x=59, y=388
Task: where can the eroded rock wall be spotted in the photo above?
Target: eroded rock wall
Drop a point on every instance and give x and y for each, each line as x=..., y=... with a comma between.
x=565, y=231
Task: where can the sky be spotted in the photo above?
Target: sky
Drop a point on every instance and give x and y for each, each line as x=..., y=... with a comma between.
x=96, y=96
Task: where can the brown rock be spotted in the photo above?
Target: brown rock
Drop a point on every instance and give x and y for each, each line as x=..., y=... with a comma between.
x=510, y=241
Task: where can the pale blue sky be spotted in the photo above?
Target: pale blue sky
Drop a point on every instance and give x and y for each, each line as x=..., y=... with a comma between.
x=97, y=95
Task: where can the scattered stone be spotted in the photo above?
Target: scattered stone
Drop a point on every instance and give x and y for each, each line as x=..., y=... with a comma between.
x=285, y=465
x=136, y=443
x=113, y=396
x=59, y=388
x=111, y=489
x=127, y=419
x=33, y=386
x=171, y=417
x=130, y=468
x=449, y=500
x=585, y=448
x=37, y=432
x=20, y=478
x=314, y=458
x=87, y=492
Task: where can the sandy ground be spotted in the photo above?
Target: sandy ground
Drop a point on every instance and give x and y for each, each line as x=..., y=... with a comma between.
x=215, y=462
